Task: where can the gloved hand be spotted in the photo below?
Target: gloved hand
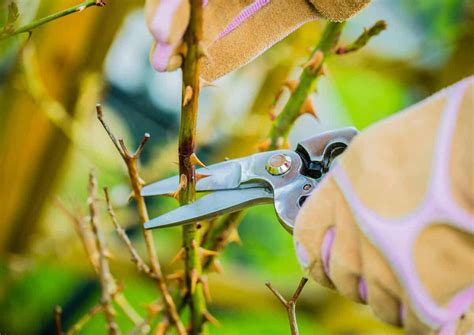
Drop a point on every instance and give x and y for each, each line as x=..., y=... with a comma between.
x=392, y=225
x=235, y=31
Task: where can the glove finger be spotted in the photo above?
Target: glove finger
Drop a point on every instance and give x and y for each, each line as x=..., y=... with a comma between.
x=165, y=57
x=345, y=262
x=339, y=10
x=167, y=20
x=252, y=31
x=314, y=220
x=382, y=286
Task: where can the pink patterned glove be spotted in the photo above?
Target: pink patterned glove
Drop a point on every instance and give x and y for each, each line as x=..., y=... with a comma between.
x=393, y=224
x=235, y=31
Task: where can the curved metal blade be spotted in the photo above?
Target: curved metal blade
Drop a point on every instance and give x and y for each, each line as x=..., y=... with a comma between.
x=212, y=205
x=221, y=176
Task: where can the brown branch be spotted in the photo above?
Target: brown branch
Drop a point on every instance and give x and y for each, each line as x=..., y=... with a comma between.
x=131, y=161
x=89, y=244
x=290, y=305
x=106, y=280
x=186, y=152
x=141, y=265
x=58, y=311
x=85, y=234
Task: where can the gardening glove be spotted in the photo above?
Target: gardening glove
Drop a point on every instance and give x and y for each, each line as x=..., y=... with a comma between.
x=392, y=225
x=235, y=31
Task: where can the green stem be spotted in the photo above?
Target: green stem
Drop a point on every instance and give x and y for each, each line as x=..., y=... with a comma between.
x=35, y=24
x=292, y=110
x=187, y=142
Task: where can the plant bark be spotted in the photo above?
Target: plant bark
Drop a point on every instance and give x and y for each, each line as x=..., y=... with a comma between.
x=187, y=145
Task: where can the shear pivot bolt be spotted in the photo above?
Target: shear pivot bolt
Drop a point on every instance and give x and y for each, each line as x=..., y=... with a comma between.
x=278, y=164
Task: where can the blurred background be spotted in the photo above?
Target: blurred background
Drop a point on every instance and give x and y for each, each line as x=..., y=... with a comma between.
x=50, y=138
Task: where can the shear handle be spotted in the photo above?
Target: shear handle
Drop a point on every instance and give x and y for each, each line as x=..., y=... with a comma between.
x=316, y=168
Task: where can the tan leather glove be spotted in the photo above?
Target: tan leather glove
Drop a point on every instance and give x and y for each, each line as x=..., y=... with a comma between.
x=235, y=31
x=393, y=223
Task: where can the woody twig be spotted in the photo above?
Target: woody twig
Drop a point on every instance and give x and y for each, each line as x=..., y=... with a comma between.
x=106, y=280
x=187, y=160
x=131, y=161
x=290, y=305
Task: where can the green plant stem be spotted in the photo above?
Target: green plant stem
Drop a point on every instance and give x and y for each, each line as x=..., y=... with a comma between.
x=187, y=144
x=364, y=38
x=35, y=24
x=292, y=110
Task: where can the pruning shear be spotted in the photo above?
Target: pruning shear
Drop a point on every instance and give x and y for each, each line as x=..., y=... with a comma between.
x=285, y=178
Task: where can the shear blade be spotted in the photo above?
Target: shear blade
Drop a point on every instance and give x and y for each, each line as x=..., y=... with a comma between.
x=221, y=176
x=212, y=205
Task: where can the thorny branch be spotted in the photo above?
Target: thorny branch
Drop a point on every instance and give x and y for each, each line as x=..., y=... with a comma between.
x=9, y=30
x=290, y=305
x=131, y=161
x=299, y=102
x=187, y=159
x=105, y=277
x=88, y=241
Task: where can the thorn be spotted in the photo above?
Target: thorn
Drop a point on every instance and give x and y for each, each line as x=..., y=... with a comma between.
x=291, y=84
x=308, y=108
x=315, y=61
x=264, y=146
x=207, y=252
x=178, y=275
x=183, y=183
x=322, y=70
x=216, y=266
x=208, y=316
x=196, y=161
x=194, y=280
x=205, y=288
x=182, y=50
x=161, y=328
x=154, y=308
x=194, y=244
x=235, y=237
x=141, y=181
x=179, y=256
x=272, y=113
x=202, y=51
x=131, y=196
x=188, y=95
x=200, y=176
